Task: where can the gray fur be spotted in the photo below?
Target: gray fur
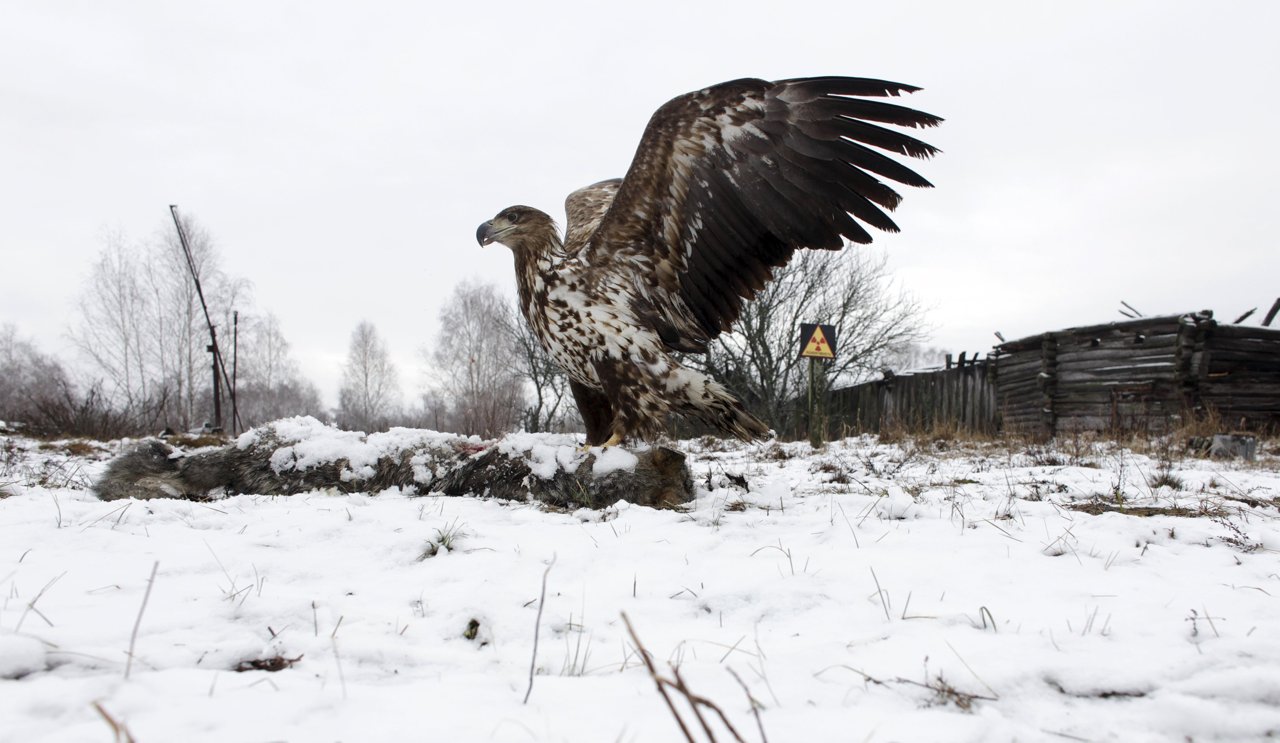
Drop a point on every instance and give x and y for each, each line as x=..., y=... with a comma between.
x=455, y=466
x=149, y=470
x=660, y=480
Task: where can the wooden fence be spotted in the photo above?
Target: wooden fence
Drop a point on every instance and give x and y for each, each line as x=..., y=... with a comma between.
x=959, y=398
x=1147, y=374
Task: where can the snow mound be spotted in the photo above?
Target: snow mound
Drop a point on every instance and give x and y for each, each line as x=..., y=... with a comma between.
x=550, y=453
x=304, y=443
x=21, y=655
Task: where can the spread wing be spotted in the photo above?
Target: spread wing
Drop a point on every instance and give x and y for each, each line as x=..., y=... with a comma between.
x=729, y=181
x=584, y=210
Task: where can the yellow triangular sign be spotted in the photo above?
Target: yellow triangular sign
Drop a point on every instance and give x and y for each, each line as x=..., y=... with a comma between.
x=818, y=346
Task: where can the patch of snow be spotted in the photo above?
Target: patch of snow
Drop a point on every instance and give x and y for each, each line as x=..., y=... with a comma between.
x=311, y=443
x=21, y=655
x=613, y=459
x=545, y=453
x=887, y=592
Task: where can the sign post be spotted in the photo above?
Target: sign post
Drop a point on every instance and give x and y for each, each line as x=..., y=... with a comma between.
x=817, y=341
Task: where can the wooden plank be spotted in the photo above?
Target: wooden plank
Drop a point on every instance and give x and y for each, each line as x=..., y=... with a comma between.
x=1245, y=331
x=1128, y=341
x=1271, y=313
x=1248, y=356
x=1245, y=341
x=1111, y=358
x=1164, y=373
x=1013, y=366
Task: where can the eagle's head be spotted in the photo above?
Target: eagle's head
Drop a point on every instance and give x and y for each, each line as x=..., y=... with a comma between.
x=521, y=228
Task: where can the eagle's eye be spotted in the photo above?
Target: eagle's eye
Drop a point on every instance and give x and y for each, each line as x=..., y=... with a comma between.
x=513, y=217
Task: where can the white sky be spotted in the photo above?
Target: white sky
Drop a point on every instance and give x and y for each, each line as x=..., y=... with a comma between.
x=342, y=154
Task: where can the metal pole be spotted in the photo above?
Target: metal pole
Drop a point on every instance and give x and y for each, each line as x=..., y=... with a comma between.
x=218, y=366
x=217, y=386
x=815, y=434
x=235, y=363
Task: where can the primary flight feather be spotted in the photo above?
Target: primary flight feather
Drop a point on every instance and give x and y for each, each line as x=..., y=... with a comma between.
x=726, y=184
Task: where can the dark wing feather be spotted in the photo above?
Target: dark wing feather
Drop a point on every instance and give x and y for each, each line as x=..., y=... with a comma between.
x=584, y=209
x=729, y=181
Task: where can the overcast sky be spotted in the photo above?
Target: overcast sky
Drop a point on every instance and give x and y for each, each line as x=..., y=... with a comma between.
x=342, y=154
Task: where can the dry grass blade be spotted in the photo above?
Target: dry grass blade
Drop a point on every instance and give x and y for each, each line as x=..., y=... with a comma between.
x=31, y=605
x=943, y=691
x=884, y=603
x=537, y=627
x=133, y=636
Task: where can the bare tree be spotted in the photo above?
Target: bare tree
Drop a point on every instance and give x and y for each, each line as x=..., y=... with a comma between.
x=475, y=363
x=270, y=384
x=547, y=407
x=142, y=327
x=28, y=375
x=370, y=392
x=759, y=361
x=433, y=412
x=38, y=393
x=112, y=333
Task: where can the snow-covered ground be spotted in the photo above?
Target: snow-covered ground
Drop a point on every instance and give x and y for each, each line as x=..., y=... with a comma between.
x=909, y=592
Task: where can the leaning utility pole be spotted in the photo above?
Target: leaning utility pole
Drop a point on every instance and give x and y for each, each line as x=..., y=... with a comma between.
x=218, y=366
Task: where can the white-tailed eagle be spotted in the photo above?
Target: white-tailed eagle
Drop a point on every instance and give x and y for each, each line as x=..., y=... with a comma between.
x=726, y=184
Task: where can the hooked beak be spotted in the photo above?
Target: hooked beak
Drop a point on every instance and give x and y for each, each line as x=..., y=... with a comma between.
x=485, y=234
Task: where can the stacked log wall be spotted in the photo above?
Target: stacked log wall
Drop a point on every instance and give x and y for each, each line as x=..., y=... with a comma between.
x=1142, y=375
x=1118, y=377
x=1239, y=376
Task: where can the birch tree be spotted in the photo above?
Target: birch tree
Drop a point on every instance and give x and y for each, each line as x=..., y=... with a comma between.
x=475, y=362
x=370, y=392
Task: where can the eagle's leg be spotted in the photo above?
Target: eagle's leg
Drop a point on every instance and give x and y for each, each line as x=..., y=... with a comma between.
x=636, y=408
x=596, y=412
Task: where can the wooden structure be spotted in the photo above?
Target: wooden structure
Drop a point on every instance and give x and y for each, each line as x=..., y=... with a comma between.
x=1145, y=374
x=957, y=398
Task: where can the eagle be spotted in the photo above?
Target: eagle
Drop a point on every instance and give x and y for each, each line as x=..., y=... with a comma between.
x=726, y=184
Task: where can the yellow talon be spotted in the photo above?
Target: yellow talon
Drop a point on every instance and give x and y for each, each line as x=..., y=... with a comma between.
x=614, y=440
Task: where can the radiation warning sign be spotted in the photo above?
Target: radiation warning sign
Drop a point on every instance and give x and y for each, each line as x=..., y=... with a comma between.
x=817, y=341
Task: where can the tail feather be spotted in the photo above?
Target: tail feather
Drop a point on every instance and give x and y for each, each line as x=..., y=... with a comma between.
x=719, y=408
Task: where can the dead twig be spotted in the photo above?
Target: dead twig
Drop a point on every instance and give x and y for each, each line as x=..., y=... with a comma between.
x=696, y=702
x=121, y=732
x=657, y=680
x=755, y=705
